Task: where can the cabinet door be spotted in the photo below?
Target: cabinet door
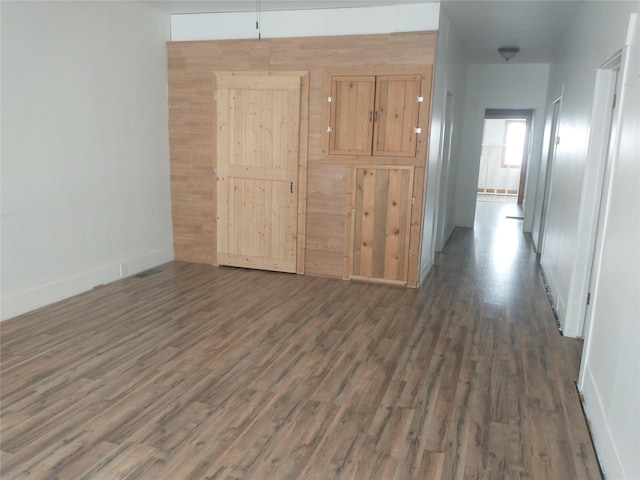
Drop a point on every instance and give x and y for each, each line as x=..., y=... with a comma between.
x=381, y=223
x=351, y=115
x=396, y=115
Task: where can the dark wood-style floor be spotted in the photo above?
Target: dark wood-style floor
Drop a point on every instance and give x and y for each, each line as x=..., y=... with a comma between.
x=194, y=372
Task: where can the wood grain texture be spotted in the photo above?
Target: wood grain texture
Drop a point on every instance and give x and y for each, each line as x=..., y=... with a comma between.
x=191, y=111
x=191, y=372
x=396, y=115
x=381, y=211
x=257, y=155
x=351, y=116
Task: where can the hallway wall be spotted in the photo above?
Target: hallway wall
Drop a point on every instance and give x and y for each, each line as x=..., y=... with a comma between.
x=574, y=70
x=609, y=380
x=450, y=76
x=500, y=86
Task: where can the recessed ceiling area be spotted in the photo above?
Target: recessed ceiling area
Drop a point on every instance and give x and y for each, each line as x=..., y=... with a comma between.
x=535, y=26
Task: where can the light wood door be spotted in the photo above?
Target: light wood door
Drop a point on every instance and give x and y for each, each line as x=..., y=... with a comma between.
x=396, y=115
x=258, y=127
x=352, y=111
x=381, y=211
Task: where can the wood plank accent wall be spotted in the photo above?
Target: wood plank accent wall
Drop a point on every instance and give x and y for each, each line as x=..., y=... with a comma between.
x=191, y=108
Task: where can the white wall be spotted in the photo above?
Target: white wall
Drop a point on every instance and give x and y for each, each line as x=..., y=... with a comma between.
x=573, y=77
x=85, y=154
x=306, y=23
x=450, y=76
x=499, y=86
x=610, y=375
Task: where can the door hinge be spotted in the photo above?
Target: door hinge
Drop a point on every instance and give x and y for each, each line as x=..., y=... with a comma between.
x=420, y=99
x=215, y=172
x=215, y=95
x=329, y=129
x=413, y=200
x=589, y=298
x=329, y=99
x=558, y=140
x=417, y=130
x=615, y=97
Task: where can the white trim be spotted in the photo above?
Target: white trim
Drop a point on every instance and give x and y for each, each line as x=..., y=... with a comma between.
x=604, y=442
x=68, y=287
x=424, y=272
x=600, y=128
x=608, y=424
x=441, y=182
x=306, y=23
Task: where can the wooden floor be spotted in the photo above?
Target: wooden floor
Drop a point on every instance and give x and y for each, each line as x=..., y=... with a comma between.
x=194, y=372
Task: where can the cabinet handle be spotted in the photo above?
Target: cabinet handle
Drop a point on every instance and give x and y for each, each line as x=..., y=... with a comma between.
x=291, y=187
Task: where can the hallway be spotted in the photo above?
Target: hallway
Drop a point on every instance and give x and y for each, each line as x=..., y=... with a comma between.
x=197, y=372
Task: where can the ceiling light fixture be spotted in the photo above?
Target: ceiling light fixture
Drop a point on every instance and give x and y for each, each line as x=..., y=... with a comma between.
x=508, y=52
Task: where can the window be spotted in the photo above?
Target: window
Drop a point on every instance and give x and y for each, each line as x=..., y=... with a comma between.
x=515, y=132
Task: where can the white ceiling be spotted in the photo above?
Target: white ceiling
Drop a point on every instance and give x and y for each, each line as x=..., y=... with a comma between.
x=534, y=26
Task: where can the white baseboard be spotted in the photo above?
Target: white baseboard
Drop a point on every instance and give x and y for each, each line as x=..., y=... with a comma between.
x=53, y=292
x=604, y=442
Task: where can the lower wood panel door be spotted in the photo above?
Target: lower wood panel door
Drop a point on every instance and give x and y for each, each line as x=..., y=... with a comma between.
x=257, y=138
x=381, y=221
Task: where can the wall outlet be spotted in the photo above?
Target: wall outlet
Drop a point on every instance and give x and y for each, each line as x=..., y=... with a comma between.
x=123, y=269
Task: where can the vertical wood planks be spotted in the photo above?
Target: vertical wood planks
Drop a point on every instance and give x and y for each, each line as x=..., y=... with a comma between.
x=321, y=187
x=352, y=115
x=381, y=223
x=398, y=107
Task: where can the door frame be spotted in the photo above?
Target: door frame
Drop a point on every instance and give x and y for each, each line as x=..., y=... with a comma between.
x=443, y=197
x=556, y=107
x=303, y=139
x=604, y=122
x=516, y=113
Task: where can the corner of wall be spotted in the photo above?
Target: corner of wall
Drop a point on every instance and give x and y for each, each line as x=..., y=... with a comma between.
x=596, y=415
x=67, y=287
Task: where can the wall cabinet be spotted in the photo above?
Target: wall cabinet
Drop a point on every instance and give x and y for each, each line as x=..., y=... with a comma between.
x=375, y=116
x=379, y=117
x=377, y=125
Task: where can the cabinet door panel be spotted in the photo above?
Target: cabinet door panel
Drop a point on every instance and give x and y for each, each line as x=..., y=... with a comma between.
x=381, y=223
x=352, y=115
x=396, y=115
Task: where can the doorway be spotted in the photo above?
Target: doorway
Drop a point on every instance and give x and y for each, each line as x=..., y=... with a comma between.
x=445, y=189
x=546, y=172
x=595, y=195
x=504, y=155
